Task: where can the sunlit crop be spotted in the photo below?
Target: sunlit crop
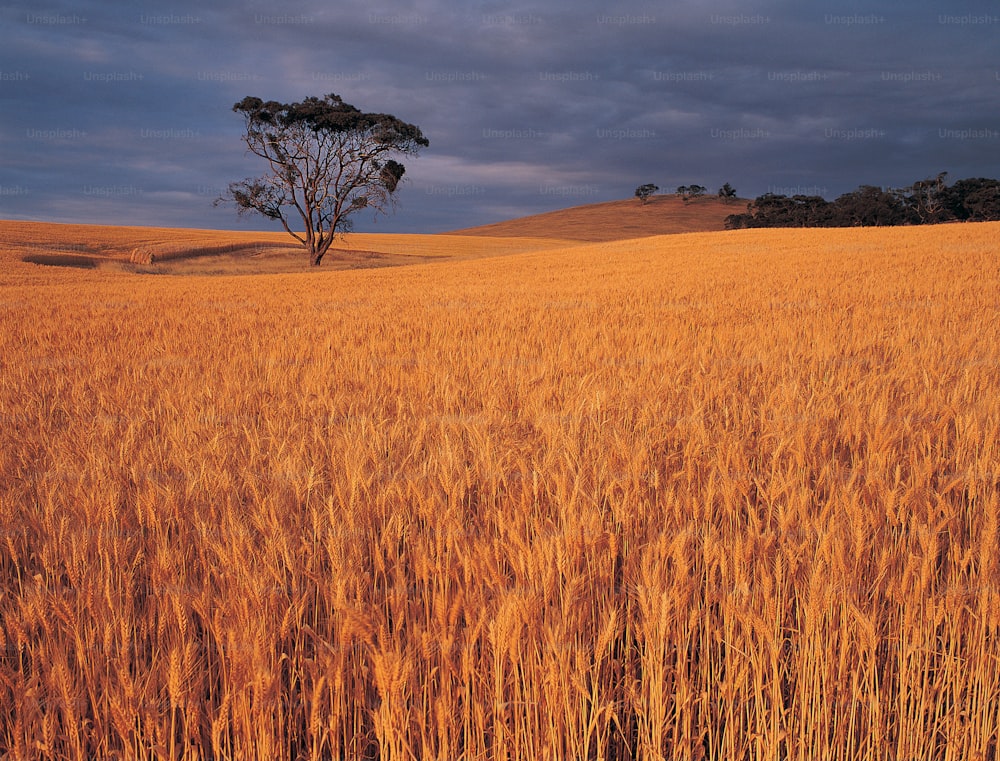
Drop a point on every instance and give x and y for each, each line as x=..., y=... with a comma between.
x=709, y=496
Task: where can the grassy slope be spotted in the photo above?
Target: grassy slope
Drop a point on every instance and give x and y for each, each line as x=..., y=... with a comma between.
x=617, y=220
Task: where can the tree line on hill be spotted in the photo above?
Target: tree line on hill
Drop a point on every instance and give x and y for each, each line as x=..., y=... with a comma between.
x=928, y=201
x=687, y=192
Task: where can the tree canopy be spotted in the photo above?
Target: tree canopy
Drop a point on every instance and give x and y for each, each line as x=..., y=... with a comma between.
x=924, y=202
x=687, y=192
x=643, y=192
x=326, y=160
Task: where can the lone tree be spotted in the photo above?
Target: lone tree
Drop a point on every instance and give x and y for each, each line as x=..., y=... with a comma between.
x=643, y=192
x=326, y=160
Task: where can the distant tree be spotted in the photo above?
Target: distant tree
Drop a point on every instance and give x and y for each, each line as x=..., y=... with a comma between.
x=924, y=202
x=868, y=206
x=326, y=159
x=974, y=200
x=739, y=221
x=812, y=211
x=687, y=192
x=727, y=193
x=983, y=205
x=776, y=210
x=927, y=199
x=643, y=192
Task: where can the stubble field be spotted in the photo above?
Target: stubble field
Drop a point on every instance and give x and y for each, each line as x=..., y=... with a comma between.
x=707, y=496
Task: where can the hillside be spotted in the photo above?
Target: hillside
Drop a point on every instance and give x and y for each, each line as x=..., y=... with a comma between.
x=617, y=220
x=154, y=250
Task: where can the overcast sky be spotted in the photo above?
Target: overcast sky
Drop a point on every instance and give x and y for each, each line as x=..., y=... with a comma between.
x=120, y=112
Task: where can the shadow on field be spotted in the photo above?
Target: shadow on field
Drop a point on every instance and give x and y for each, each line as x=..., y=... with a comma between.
x=231, y=259
x=62, y=260
x=267, y=260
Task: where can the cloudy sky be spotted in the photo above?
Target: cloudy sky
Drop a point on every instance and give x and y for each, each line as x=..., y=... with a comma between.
x=120, y=112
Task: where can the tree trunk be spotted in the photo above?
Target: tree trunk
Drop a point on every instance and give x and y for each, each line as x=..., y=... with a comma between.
x=319, y=248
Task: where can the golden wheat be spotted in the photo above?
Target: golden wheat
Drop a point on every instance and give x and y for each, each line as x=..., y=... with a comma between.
x=717, y=496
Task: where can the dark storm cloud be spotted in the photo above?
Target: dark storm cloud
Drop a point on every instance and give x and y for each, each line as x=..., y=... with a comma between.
x=123, y=114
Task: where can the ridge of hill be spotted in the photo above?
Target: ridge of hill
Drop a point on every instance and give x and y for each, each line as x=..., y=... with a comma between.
x=617, y=220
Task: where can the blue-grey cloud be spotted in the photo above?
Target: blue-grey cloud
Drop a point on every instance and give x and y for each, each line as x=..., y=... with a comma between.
x=123, y=114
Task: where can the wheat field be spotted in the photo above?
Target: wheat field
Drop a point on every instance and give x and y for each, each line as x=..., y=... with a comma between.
x=710, y=496
x=165, y=251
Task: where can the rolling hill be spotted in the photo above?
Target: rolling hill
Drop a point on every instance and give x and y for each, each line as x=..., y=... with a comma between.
x=152, y=250
x=617, y=220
